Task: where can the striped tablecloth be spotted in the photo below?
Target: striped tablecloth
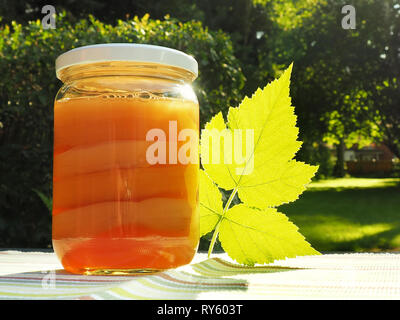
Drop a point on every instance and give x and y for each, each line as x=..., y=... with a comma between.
x=39, y=275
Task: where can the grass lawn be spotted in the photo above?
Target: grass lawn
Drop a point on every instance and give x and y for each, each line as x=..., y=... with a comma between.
x=349, y=214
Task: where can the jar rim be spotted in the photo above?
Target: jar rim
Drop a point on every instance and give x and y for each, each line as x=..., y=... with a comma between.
x=126, y=52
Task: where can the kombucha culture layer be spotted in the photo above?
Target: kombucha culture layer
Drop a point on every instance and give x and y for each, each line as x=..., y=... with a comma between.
x=112, y=209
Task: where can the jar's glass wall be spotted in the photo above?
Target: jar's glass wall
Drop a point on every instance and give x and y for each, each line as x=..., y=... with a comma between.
x=123, y=199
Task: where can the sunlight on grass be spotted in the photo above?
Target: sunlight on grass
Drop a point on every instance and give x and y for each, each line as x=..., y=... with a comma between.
x=349, y=214
x=395, y=242
x=338, y=229
x=348, y=183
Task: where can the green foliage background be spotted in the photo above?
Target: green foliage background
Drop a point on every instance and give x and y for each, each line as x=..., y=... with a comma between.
x=27, y=61
x=345, y=83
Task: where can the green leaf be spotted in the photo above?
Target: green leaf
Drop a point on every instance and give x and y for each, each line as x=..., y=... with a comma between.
x=48, y=202
x=279, y=184
x=268, y=177
x=218, y=171
x=252, y=155
x=210, y=204
x=253, y=236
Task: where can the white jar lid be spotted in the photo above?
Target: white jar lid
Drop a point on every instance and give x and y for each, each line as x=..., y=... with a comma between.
x=127, y=52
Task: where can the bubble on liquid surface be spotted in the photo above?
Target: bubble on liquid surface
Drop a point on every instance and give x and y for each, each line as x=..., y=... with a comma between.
x=141, y=95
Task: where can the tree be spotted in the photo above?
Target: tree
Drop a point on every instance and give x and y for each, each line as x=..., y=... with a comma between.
x=332, y=65
x=339, y=73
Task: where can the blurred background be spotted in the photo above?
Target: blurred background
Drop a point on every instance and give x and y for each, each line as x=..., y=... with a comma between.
x=345, y=89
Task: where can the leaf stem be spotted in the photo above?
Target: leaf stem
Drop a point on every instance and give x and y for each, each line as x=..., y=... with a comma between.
x=216, y=230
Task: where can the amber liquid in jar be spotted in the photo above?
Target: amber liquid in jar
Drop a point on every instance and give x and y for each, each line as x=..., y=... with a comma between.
x=113, y=211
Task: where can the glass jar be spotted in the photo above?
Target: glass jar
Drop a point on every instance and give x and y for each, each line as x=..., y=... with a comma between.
x=125, y=171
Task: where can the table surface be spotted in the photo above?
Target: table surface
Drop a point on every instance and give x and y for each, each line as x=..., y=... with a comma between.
x=39, y=275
